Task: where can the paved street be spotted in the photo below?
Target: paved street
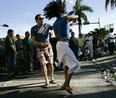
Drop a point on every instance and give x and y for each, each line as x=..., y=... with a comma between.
x=88, y=83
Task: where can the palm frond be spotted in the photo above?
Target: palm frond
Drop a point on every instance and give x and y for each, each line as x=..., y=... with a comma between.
x=107, y=3
x=111, y=2
x=84, y=16
x=86, y=8
x=79, y=8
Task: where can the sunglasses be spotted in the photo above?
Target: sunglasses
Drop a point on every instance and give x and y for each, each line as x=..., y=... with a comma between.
x=41, y=18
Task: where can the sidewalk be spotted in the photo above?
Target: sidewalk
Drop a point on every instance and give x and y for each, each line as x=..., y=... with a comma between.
x=88, y=83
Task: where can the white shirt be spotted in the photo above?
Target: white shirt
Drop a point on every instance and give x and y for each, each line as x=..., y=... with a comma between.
x=90, y=39
x=111, y=35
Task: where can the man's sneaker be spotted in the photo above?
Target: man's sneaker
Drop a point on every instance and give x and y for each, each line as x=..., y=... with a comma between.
x=46, y=85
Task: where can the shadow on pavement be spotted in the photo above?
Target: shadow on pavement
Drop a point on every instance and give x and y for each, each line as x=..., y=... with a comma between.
x=24, y=86
x=57, y=93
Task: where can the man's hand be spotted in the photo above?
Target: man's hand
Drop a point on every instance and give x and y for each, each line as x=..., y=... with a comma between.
x=44, y=44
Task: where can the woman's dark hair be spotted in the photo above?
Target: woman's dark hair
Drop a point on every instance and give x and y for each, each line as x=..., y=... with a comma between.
x=55, y=8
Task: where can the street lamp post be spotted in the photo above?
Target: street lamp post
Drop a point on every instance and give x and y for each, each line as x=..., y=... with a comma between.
x=87, y=23
x=4, y=25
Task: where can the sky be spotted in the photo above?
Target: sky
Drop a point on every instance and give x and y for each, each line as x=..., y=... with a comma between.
x=20, y=14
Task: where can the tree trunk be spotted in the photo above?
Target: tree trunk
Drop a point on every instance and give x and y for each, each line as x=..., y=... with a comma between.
x=80, y=25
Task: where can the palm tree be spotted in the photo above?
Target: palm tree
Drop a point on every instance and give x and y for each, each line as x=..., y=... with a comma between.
x=79, y=9
x=100, y=32
x=112, y=3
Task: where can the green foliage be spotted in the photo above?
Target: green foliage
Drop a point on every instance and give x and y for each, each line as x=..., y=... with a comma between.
x=80, y=10
x=111, y=2
x=100, y=32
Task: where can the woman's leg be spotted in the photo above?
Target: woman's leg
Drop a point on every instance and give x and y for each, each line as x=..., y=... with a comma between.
x=67, y=80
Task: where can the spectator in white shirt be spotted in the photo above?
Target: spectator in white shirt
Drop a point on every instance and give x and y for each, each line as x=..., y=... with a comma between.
x=89, y=43
x=111, y=39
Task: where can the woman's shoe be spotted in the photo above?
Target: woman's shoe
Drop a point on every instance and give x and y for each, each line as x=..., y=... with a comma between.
x=67, y=88
x=63, y=87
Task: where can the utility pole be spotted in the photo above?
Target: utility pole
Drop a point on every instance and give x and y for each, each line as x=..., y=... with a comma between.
x=99, y=23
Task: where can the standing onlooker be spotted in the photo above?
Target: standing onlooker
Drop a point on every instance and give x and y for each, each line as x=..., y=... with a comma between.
x=27, y=51
x=10, y=51
x=20, y=52
x=73, y=43
x=40, y=39
x=95, y=40
x=89, y=43
x=81, y=44
x=2, y=55
x=105, y=46
x=111, y=39
x=61, y=29
x=99, y=46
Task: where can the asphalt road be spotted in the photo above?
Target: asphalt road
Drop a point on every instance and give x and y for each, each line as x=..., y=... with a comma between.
x=87, y=83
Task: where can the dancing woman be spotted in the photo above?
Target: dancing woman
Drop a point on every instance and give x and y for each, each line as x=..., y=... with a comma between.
x=57, y=9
